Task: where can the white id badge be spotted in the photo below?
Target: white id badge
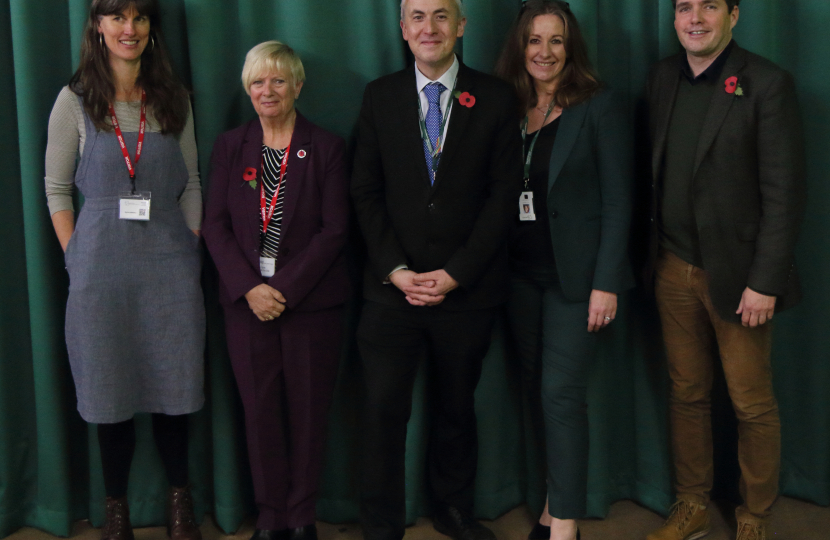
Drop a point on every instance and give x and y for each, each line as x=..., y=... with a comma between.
x=134, y=206
x=526, y=212
x=267, y=266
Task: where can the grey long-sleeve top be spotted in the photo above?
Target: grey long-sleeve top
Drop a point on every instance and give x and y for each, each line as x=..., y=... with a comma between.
x=67, y=134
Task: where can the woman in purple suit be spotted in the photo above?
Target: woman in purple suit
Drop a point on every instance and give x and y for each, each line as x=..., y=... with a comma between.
x=276, y=222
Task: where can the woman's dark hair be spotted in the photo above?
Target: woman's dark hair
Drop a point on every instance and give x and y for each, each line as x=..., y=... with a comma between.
x=167, y=97
x=577, y=82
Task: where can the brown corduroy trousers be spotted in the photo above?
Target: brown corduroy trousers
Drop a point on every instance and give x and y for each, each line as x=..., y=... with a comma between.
x=691, y=329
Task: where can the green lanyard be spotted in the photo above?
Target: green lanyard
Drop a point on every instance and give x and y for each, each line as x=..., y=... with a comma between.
x=435, y=153
x=533, y=142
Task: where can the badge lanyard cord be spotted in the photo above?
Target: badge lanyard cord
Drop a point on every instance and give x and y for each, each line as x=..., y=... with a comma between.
x=131, y=165
x=266, y=216
x=533, y=142
x=436, y=152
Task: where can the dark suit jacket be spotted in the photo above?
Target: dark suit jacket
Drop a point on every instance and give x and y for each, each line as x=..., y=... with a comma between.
x=311, y=268
x=589, y=198
x=749, y=185
x=461, y=222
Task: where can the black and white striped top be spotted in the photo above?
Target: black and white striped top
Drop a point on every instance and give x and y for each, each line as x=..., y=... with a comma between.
x=271, y=160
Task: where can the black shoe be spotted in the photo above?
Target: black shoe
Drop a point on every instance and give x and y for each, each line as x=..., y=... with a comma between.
x=459, y=525
x=268, y=534
x=542, y=532
x=306, y=532
x=539, y=532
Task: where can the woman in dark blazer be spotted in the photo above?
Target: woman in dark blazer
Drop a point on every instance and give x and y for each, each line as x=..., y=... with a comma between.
x=276, y=223
x=569, y=241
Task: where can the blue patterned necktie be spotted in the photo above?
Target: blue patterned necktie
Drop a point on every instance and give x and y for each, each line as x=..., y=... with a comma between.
x=433, y=119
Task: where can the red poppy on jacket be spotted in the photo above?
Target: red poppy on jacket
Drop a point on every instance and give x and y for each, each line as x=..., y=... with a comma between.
x=731, y=85
x=467, y=99
x=249, y=174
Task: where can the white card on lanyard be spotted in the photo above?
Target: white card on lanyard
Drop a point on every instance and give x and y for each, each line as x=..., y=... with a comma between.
x=526, y=211
x=134, y=206
x=267, y=266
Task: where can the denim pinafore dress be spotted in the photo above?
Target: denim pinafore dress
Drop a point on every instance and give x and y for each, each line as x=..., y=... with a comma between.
x=135, y=317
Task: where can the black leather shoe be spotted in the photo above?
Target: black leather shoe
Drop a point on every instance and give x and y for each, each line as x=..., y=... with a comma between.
x=539, y=532
x=542, y=532
x=459, y=525
x=268, y=534
x=306, y=532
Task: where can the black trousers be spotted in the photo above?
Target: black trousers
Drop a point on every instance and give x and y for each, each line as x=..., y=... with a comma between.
x=392, y=342
x=557, y=352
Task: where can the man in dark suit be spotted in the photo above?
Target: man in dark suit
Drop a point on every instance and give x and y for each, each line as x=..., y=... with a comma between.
x=436, y=180
x=729, y=194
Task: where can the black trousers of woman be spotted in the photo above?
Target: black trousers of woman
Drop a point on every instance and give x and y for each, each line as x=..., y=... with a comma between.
x=555, y=347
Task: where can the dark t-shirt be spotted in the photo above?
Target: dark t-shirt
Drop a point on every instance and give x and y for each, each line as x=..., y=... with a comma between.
x=530, y=243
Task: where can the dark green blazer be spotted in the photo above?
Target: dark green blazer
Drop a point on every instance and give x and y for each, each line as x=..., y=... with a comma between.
x=749, y=187
x=589, y=197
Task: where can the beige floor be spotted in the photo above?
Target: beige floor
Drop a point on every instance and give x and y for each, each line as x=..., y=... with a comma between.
x=792, y=520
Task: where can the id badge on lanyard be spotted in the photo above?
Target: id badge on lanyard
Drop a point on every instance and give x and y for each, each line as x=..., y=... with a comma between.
x=133, y=205
x=526, y=211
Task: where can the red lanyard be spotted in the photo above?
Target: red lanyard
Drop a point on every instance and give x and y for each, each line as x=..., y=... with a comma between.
x=266, y=216
x=141, y=125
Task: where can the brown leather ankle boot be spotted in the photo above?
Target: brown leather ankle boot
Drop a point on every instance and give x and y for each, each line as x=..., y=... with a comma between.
x=117, y=523
x=181, y=522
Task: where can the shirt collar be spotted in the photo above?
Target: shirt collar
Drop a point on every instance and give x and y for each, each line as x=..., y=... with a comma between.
x=713, y=72
x=447, y=79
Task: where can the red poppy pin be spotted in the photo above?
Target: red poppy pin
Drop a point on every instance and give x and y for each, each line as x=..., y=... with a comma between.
x=250, y=176
x=466, y=99
x=733, y=87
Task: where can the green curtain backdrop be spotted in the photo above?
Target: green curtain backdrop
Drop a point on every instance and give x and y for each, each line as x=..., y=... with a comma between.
x=49, y=465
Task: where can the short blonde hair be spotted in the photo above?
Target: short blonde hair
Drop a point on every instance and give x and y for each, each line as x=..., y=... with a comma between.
x=271, y=56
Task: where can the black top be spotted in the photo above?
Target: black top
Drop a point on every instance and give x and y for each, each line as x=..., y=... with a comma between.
x=678, y=227
x=271, y=160
x=530, y=244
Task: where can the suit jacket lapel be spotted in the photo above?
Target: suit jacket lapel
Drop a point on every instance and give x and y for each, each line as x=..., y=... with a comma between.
x=569, y=125
x=459, y=117
x=252, y=157
x=296, y=169
x=719, y=106
x=662, y=106
x=407, y=106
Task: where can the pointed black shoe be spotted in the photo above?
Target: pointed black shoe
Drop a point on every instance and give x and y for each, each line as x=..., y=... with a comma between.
x=542, y=532
x=459, y=525
x=267, y=534
x=539, y=532
x=306, y=532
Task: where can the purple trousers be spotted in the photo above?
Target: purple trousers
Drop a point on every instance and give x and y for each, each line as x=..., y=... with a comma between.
x=285, y=370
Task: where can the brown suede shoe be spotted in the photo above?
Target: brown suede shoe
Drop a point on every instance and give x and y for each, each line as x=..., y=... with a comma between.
x=687, y=521
x=117, y=523
x=181, y=523
x=748, y=530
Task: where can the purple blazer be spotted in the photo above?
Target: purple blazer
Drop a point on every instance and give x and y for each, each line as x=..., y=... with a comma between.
x=311, y=268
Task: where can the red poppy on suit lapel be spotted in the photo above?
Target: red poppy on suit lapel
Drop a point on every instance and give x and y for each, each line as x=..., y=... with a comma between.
x=250, y=176
x=467, y=99
x=731, y=85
